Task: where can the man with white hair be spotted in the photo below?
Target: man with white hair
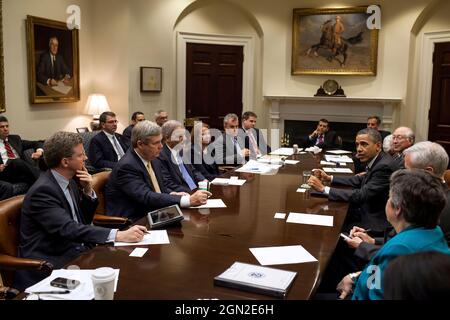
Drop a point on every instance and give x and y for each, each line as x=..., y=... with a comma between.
x=402, y=138
x=161, y=117
x=177, y=175
x=136, y=186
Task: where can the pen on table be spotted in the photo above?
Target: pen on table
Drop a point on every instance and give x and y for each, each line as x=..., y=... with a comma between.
x=51, y=292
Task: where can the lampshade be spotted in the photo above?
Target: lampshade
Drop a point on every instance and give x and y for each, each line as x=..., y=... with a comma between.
x=96, y=105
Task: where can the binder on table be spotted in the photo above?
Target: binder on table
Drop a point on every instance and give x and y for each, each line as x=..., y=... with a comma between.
x=257, y=279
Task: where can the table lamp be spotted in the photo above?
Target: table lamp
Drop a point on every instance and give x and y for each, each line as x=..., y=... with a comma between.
x=95, y=106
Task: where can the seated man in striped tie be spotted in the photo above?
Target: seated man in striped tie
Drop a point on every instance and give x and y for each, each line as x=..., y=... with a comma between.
x=135, y=186
x=179, y=175
x=107, y=147
x=254, y=139
x=322, y=137
x=13, y=169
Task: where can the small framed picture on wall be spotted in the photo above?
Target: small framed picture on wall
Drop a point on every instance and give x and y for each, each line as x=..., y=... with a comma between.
x=151, y=79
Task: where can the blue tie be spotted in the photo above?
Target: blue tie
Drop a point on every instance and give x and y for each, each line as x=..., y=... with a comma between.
x=186, y=176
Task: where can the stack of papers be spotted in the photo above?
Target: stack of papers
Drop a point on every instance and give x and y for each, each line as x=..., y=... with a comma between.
x=339, y=152
x=228, y=182
x=282, y=255
x=314, y=149
x=84, y=291
x=310, y=219
x=256, y=167
x=211, y=204
x=153, y=237
x=248, y=277
x=338, y=159
x=284, y=151
x=337, y=170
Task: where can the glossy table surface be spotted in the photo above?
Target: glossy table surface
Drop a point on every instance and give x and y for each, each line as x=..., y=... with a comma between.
x=209, y=241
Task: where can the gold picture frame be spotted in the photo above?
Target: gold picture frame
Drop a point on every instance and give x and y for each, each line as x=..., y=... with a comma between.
x=2, y=66
x=53, y=61
x=334, y=41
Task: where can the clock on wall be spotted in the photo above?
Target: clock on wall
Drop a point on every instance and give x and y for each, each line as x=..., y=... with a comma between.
x=330, y=88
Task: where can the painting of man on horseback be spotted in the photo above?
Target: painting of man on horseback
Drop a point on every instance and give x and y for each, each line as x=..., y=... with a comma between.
x=336, y=43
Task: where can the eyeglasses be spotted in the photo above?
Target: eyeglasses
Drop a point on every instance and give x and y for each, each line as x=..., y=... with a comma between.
x=399, y=137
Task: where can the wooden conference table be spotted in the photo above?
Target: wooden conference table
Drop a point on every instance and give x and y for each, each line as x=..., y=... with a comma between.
x=211, y=240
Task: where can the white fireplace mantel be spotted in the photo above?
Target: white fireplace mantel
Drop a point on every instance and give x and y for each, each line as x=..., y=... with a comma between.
x=334, y=109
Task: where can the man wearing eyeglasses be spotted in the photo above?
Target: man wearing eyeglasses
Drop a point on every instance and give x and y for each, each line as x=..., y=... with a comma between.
x=107, y=147
x=402, y=138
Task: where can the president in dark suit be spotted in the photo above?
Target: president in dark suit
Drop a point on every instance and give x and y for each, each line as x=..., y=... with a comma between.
x=13, y=167
x=107, y=147
x=57, y=211
x=370, y=191
x=177, y=172
x=322, y=137
x=52, y=67
x=135, y=186
x=254, y=139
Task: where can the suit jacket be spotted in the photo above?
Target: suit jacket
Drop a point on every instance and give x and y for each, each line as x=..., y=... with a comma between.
x=172, y=177
x=21, y=145
x=264, y=148
x=130, y=192
x=206, y=167
x=44, y=70
x=329, y=141
x=370, y=192
x=102, y=153
x=224, y=151
x=47, y=228
x=127, y=132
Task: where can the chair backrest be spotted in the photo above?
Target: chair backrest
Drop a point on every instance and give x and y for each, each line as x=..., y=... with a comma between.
x=10, y=211
x=87, y=137
x=447, y=177
x=98, y=183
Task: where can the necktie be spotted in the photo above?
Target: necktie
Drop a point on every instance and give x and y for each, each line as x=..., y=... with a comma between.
x=119, y=149
x=319, y=140
x=53, y=66
x=186, y=176
x=253, y=144
x=9, y=151
x=73, y=205
x=153, y=178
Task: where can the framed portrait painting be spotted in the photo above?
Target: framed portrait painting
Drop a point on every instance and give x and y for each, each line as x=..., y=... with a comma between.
x=333, y=42
x=53, y=61
x=151, y=79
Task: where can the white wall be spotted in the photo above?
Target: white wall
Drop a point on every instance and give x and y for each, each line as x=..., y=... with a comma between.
x=119, y=36
x=39, y=121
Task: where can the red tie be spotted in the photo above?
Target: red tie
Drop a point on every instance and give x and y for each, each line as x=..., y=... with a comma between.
x=9, y=151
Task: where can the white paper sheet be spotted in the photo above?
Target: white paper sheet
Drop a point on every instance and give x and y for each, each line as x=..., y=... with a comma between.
x=138, y=252
x=282, y=255
x=339, y=152
x=301, y=190
x=154, y=237
x=291, y=161
x=310, y=219
x=338, y=159
x=337, y=170
x=211, y=204
x=85, y=290
x=327, y=163
x=256, y=167
x=280, y=216
x=284, y=151
x=228, y=182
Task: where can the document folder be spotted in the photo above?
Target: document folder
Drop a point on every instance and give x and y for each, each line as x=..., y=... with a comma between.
x=257, y=279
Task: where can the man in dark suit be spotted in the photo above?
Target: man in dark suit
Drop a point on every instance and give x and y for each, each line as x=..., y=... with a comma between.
x=322, y=137
x=254, y=139
x=107, y=147
x=13, y=168
x=136, y=185
x=374, y=122
x=370, y=191
x=402, y=139
x=52, y=67
x=57, y=210
x=136, y=117
x=177, y=172
x=229, y=148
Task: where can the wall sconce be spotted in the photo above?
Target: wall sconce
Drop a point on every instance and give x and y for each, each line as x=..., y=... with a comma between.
x=95, y=106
